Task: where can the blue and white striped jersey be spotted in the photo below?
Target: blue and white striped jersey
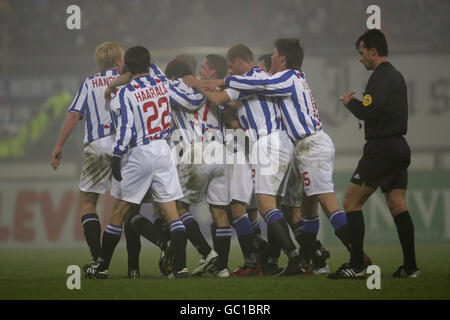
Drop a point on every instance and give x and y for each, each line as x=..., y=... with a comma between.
x=144, y=109
x=199, y=122
x=143, y=113
x=186, y=103
x=210, y=119
x=298, y=107
x=257, y=113
x=156, y=72
x=90, y=103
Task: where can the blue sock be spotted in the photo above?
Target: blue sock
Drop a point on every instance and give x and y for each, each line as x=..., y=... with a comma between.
x=194, y=234
x=307, y=237
x=338, y=219
x=244, y=232
x=273, y=216
x=177, y=225
x=110, y=239
x=222, y=246
x=178, y=237
x=243, y=225
x=310, y=225
x=187, y=218
x=114, y=230
x=223, y=232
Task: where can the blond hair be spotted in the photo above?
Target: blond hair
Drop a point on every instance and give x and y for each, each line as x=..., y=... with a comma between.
x=107, y=53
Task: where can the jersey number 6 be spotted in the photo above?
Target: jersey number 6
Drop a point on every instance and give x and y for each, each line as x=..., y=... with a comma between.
x=155, y=115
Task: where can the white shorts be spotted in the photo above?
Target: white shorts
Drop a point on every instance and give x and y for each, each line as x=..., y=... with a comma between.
x=314, y=157
x=147, y=167
x=241, y=183
x=292, y=187
x=96, y=172
x=205, y=182
x=275, y=152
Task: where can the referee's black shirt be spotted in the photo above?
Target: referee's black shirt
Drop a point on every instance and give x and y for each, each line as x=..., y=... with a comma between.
x=384, y=108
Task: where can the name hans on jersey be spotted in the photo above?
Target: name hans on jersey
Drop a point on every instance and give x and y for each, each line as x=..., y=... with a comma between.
x=150, y=93
x=102, y=81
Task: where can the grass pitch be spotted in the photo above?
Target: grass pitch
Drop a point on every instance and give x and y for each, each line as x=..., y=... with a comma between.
x=41, y=274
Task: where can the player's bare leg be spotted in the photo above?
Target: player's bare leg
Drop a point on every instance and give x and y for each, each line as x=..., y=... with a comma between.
x=396, y=201
x=329, y=203
x=177, y=236
x=276, y=224
x=160, y=222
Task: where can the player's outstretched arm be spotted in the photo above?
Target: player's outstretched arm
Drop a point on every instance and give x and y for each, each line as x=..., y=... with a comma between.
x=66, y=130
x=215, y=96
x=205, y=85
x=279, y=84
x=120, y=81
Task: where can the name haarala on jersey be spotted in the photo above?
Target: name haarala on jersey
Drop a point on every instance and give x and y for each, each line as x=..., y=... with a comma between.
x=150, y=93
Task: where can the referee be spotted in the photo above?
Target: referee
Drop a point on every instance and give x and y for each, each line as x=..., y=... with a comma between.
x=386, y=156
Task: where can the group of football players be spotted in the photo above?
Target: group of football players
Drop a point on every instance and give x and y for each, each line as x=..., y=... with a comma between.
x=166, y=137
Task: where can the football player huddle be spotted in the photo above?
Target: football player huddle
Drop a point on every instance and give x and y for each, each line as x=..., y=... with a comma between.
x=242, y=137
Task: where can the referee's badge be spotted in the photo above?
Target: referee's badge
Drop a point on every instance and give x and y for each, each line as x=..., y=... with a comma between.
x=367, y=100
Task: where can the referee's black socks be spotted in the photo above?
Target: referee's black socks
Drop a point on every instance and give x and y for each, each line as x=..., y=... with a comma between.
x=405, y=230
x=355, y=222
x=92, y=232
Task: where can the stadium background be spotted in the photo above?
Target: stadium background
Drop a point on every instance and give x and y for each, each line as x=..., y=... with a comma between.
x=42, y=64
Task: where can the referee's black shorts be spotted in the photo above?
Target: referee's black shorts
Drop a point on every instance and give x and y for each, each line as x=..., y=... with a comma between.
x=384, y=164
